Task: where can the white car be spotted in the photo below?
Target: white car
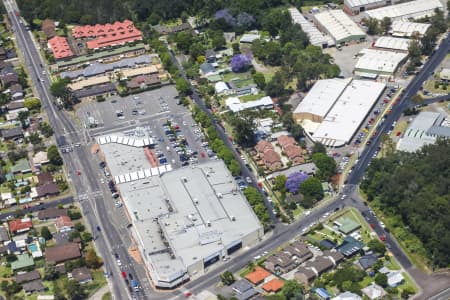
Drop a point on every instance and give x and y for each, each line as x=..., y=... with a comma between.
x=307, y=213
x=119, y=263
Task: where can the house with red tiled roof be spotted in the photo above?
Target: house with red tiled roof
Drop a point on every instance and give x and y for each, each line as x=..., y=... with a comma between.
x=291, y=149
x=257, y=276
x=262, y=146
x=272, y=160
x=105, y=35
x=60, y=47
x=20, y=225
x=273, y=285
x=294, y=153
x=63, y=224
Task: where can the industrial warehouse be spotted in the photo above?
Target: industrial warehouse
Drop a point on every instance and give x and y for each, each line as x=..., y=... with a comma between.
x=408, y=10
x=373, y=63
x=334, y=109
x=339, y=26
x=184, y=220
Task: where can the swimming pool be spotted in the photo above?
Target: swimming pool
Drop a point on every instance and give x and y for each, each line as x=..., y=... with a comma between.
x=33, y=247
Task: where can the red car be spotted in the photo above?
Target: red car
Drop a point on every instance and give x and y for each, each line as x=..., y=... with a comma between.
x=372, y=225
x=124, y=275
x=383, y=238
x=187, y=294
x=399, y=133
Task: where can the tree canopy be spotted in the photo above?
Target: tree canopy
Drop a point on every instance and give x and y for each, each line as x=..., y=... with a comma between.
x=412, y=189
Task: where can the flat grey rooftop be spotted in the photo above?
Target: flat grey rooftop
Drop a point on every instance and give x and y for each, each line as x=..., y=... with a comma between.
x=124, y=159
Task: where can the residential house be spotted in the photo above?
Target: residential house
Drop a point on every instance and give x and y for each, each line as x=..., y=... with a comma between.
x=251, y=89
x=12, y=133
x=59, y=47
x=298, y=251
x=374, y=291
x=60, y=268
x=290, y=148
x=22, y=277
x=367, y=261
x=305, y=275
x=272, y=160
x=222, y=88
x=350, y=246
x=207, y=69
x=395, y=278
x=48, y=189
x=13, y=249
x=44, y=178
x=9, y=79
x=262, y=146
x=294, y=154
x=320, y=265
x=62, y=253
x=13, y=115
x=105, y=90
x=327, y=244
x=3, y=250
x=322, y=293
x=444, y=75
x=273, y=286
x=335, y=256
x=257, y=276
x=23, y=261
x=49, y=28
x=4, y=235
x=63, y=224
x=40, y=159
x=279, y=263
x=15, y=104
x=143, y=81
x=33, y=287
x=16, y=92
x=229, y=36
x=62, y=238
x=52, y=213
x=248, y=38
x=20, y=225
x=243, y=289
x=82, y=275
x=347, y=225
x=21, y=166
x=347, y=296
x=210, y=56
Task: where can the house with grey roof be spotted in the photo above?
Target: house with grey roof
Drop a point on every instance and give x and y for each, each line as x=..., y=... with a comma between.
x=104, y=90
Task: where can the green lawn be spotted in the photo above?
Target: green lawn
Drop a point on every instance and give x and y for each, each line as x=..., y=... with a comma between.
x=99, y=280
x=252, y=97
x=5, y=271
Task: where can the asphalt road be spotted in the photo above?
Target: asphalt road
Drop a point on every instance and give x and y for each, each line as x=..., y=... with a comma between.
x=93, y=206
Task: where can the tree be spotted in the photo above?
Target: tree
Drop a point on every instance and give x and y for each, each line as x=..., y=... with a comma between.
x=217, y=39
x=417, y=99
x=59, y=87
x=259, y=80
x=23, y=118
x=319, y=148
x=183, y=86
x=46, y=129
x=74, y=290
x=377, y=246
x=34, y=138
x=45, y=233
x=240, y=62
x=227, y=278
x=50, y=272
x=414, y=50
x=280, y=183
x=244, y=130
x=297, y=132
x=294, y=180
x=275, y=87
x=53, y=156
x=92, y=260
x=184, y=40
x=372, y=26
x=385, y=24
x=381, y=279
x=235, y=167
x=32, y=104
x=325, y=164
x=293, y=290
x=312, y=188
x=408, y=290
x=79, y=227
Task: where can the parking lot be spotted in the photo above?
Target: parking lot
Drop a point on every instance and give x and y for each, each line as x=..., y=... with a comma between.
x=154, y=114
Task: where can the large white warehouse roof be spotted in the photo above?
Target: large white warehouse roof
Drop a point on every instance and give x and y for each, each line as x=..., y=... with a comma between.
x=394, y=43
x=322, y=96
x=339, y=26
x=315, y=36
x=348, y=113
x=407, y=29
x=413, y=9
x=378, y=62
x=357, y=3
